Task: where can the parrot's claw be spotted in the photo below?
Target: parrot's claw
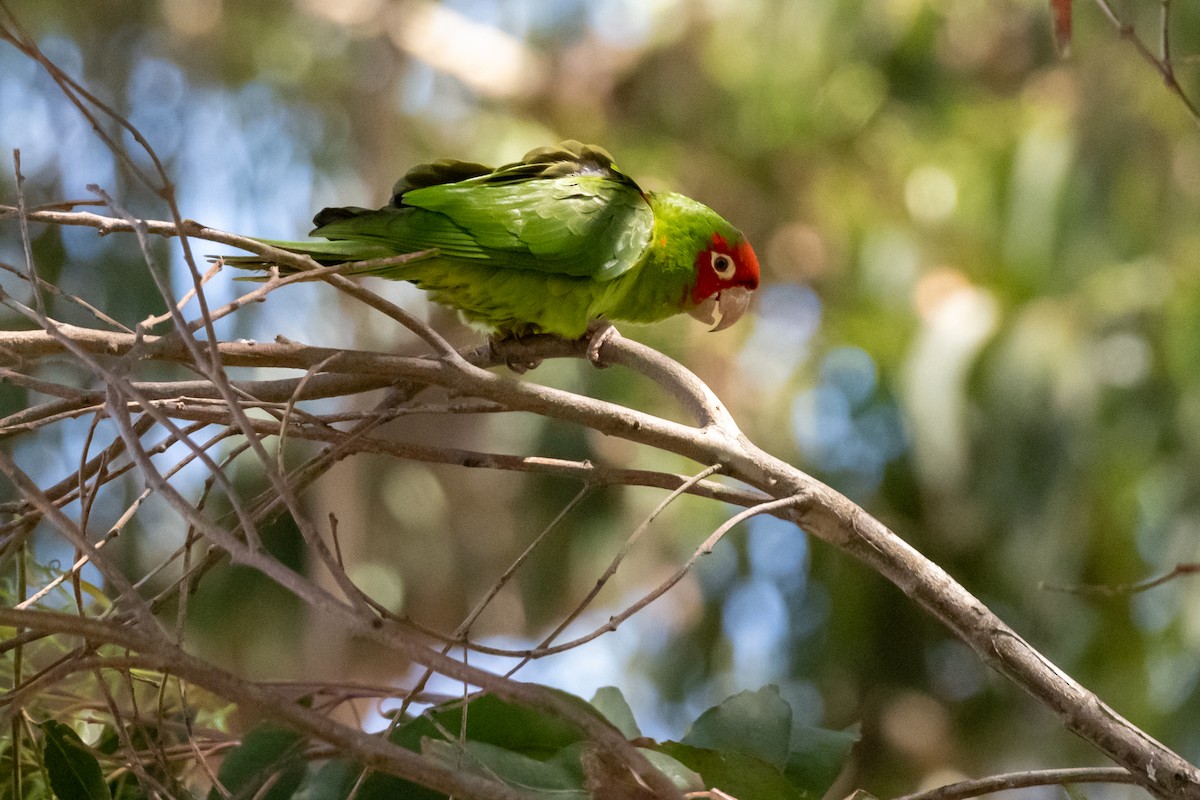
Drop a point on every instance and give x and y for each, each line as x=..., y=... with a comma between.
x=598, y=334
x=519, y=366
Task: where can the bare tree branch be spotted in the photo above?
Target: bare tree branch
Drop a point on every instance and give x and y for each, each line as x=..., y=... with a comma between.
x=814, y=506
x=1024, y=780
x=1161, y=63
x=154, y=653
x=252, y=410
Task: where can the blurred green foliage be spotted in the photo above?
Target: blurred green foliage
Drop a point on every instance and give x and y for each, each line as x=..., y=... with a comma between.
x=980, y=319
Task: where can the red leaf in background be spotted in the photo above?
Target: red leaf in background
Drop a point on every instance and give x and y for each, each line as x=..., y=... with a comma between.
x=1062, y=25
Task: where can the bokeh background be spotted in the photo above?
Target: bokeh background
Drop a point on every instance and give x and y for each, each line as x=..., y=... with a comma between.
x=980, y=319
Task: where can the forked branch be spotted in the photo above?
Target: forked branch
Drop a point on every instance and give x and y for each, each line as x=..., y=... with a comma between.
x=711, y=438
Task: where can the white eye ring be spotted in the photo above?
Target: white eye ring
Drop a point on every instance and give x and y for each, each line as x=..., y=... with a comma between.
x=723, y=265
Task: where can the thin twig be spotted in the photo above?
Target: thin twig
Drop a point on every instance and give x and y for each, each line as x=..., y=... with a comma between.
x=1024, y=780
x=155, y=654
x=704, y=549
x=614, y=565
x=463, y=630
x=26, y=245
x=1115, y=590
x=78, y=538
x=54, y=291
x=1162, y=65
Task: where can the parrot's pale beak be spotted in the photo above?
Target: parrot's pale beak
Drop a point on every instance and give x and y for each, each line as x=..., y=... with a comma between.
x=723, y=308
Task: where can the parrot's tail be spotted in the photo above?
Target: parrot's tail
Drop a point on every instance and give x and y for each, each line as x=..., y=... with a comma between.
x=326, y=253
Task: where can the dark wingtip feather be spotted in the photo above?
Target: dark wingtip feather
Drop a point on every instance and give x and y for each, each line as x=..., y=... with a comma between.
x=435, y=173
x=327, y=215
x=570, y=157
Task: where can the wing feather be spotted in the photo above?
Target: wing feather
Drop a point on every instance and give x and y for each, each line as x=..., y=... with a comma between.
x=561, y=210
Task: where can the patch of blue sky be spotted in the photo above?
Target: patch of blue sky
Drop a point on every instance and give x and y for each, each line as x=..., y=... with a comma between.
x=25, y=124
x=434, y=96
x=882, y=425
x=524, y=18
x=240, y=159
x=778, y=551
x=842, y=427
x=245, y=166
x=822, y=423
x=788, y=316
x=157, y=98
x=754, y=620
x=718, y=570
x=39, y=121
x=852, y=371
x=624, y=23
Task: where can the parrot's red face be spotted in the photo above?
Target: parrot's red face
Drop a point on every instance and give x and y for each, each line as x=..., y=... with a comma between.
x=726, y=274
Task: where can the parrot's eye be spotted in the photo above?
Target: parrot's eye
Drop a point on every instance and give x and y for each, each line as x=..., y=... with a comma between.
x=723, y=265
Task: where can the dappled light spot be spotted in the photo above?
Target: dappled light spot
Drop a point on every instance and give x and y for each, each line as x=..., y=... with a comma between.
x=192, y=18
x=957, y=318
x=919, y=727
x=379, y=581
x=930, y=194
x=487, y=59
x=1122, y=359
x=348, y=13
x=798, y=252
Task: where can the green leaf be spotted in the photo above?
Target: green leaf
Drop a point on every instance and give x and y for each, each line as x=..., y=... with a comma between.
x=269, y=752
x=561, y=779
x=687, y=780
x=75, y=773
x=756, y=724
x=34, y=784
x=339, y=780
x=736, y=773
x=609, y=701
x=817, y=756
x=520, y=728
x=526, y=748
x=127, y=787
x=748, y=746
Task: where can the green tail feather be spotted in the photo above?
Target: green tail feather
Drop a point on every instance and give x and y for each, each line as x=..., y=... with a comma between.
x=326, y=253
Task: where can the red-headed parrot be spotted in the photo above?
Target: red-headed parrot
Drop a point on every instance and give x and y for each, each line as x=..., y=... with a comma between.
x=547, y=244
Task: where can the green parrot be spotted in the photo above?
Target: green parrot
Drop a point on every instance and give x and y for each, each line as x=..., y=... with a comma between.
x=548, y=244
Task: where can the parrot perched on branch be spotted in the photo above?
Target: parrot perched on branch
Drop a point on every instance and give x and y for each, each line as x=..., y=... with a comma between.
x=547, y=244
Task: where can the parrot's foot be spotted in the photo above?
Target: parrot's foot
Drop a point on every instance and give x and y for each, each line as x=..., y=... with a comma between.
x=598, y=333
x=497, y=342
x=521, y=367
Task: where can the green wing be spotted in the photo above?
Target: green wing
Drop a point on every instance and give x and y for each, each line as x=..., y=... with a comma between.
x=564, y=210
